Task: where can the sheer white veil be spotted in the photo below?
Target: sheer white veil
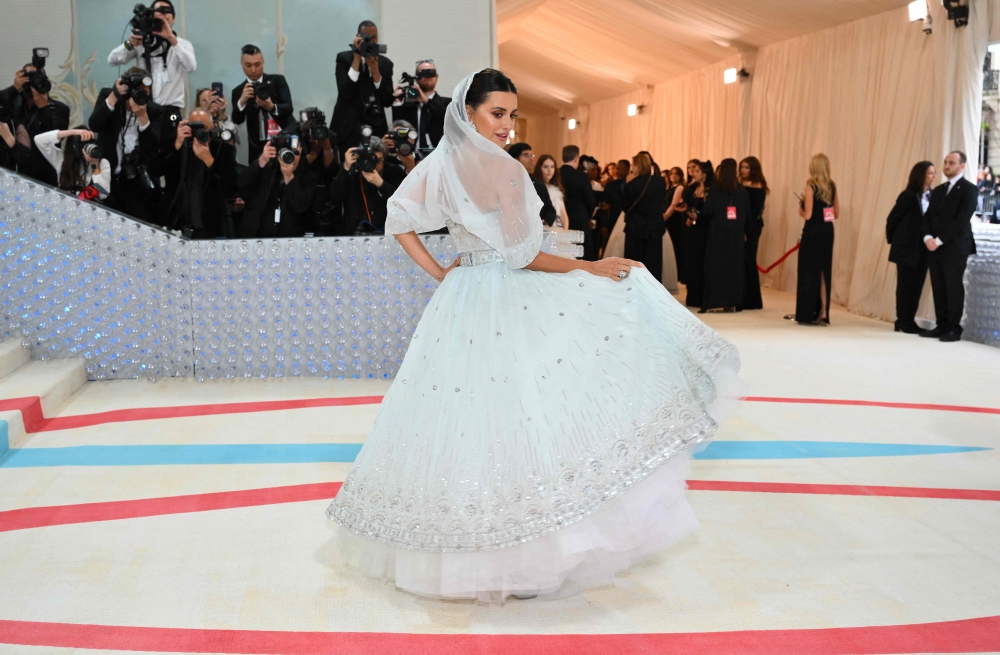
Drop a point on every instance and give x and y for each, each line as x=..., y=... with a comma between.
x=471, y=181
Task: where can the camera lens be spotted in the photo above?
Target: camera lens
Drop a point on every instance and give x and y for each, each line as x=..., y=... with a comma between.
x=286, y=156
x=203, y=136
x=93, y=151
x=140, y=96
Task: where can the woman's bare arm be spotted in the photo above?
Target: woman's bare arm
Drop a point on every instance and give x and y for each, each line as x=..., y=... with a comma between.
x=414, y=247
x=675, y=203
x=807, y=203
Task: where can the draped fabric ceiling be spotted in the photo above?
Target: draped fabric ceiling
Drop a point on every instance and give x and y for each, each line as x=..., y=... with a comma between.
x=853, y=79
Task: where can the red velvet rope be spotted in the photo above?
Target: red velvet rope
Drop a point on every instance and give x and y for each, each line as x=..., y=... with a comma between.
x=783, y=258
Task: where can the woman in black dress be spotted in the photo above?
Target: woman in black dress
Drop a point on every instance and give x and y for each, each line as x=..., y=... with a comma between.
x=904, y=230
x=675, y=216
x=752, y=178
x=694, y=256
x=643, y=203
x=820, y=207
x=724, y=216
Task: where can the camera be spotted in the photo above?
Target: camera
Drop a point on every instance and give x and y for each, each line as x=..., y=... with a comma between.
x=404, y=141
x=262, y=90
x=366, y=161
x=136, y=84
x=205, y=134
x=367, y=48
x=314, y=124
x=409, y=85
x=92, y=150
x=133, y=168
x=145, y=22
x=37, y=78
x=287, y=146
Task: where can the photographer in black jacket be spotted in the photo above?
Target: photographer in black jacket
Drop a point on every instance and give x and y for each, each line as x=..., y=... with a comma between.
x=420, y=105
x=364, y=89
x=200, y=170
x=278, y=191
x=364, y=189
x=129, y=128
x=262, y=100
x=29, y=112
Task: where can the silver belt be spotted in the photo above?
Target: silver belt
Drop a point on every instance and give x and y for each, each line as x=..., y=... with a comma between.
x=477, y=257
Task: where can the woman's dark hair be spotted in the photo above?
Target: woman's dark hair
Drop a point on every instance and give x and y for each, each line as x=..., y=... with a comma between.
x=537, y=175
x=709, y=171
x=917, y=175
x=486, y=82
x=73, y=174
x=727, y=178
x=676, y=170
x=756, y=173
x=696, y=163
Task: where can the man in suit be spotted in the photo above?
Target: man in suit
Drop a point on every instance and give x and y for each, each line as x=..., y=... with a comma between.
x=428, y=112
x=32, y=112
x=948, y=237
x=131, y=134
x=364, y=89
x=579, y=199
x=264, y=117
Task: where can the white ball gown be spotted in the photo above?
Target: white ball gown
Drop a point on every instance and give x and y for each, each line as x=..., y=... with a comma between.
x=536, y=438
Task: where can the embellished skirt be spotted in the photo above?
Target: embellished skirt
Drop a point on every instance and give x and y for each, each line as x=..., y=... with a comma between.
x=536, y=439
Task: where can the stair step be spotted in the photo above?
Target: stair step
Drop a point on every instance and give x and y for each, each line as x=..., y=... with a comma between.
x=12, y=357
x=35, y=391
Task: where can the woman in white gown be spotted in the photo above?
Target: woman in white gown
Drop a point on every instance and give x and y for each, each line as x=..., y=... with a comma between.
x=537, y=436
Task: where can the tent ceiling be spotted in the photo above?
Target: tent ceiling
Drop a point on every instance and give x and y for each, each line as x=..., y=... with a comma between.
x=562, y=53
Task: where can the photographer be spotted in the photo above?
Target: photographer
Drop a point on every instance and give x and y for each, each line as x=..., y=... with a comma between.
x=26, y=110
x=200, y=171
x=79, y=162
x=129, y=127
x=278, y=191
x=216, y=106
x=321, y=156
x=420, y=105
x=364, y=184
x=401, y=146
x=160, y=51
x=364, y=88
x=264, y=101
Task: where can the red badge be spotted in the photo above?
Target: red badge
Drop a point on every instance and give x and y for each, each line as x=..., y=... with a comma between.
x=273, y=129
x=731, y=213
x=828, y=214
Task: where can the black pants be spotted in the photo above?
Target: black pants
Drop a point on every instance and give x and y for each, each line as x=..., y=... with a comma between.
x=751, y=277
x=132, y=198
x=649, y=251
x=947, y=266
x=909, y=287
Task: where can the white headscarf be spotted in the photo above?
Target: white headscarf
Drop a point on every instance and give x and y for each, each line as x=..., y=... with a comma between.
x=471, y=181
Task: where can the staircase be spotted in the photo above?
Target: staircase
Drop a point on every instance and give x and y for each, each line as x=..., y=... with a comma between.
x=32, y=390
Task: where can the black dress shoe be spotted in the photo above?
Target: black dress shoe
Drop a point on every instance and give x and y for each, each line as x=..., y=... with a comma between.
x=932, y=334
x=948, y=337
x=909, y=329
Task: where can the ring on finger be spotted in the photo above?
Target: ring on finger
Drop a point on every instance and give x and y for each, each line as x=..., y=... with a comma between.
x=622, y=275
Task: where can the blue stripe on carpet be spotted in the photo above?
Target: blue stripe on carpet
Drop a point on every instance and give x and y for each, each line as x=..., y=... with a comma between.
x=346, y=452
x=4, y=437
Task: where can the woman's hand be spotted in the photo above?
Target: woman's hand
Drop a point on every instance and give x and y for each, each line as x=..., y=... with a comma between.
x=613, y=267
x=443, y=272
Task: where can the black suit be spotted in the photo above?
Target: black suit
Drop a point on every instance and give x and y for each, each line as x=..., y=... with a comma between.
x=195, y=196
x=349, y=113
x=614, y=196
x=904, y=230
x=281, y=96
x=644, y=225
x=948, y=218
x=548, y=212
x=264, y=191
x=429, y=124
x=129, y=196
x=27, y=159
x=580, y=203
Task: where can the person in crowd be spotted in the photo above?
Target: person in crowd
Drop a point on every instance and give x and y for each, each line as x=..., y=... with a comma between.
x=904, y=231
x=701, y=176
x=643, y=202
x=675, y=216
x=752, y=179
x=200, y=178
x=278, y=195
x=364, y=89
x=265, y=117
x=724, y=217
x=130, y=135
x=948, y=237
x=365, y=194
x=428, y=112
x=321, y=156
x=168, y=59
x=547, y=177
x=392, y=153
x=608, y=173
x=32, y=112
x=217, y=107
x=579, y=198
x=613, y=193
x=78, y=161
x=522, y=153
x=655, y=168
x=820, y=207
x=601, y=217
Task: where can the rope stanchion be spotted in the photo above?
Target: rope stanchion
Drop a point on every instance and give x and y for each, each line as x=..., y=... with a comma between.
x=783, y=258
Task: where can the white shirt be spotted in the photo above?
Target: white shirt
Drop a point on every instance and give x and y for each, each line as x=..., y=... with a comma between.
x=925, y=201
x=355, y=75
x=951, y=185
x=47, y=143
x=262, y=131
x=168, y=78
x=556, y=196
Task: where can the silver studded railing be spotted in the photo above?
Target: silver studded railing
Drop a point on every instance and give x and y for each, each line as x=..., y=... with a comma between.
x=981, y=322
x=79, y=281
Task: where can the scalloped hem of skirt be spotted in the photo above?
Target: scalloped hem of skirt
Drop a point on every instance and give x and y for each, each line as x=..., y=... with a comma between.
x=643, y=521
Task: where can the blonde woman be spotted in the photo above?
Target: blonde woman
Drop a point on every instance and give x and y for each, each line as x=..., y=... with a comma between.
x=820, y=207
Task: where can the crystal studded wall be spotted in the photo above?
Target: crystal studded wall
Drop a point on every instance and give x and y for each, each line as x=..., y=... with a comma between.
x=79, y=281
x=981, y=322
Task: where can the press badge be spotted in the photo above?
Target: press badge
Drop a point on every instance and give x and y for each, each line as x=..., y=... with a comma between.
x=731, y=213
x=277, y=216
x=828, y=214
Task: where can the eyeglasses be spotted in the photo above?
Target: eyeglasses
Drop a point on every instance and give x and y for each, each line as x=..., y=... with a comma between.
x=425, y=61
